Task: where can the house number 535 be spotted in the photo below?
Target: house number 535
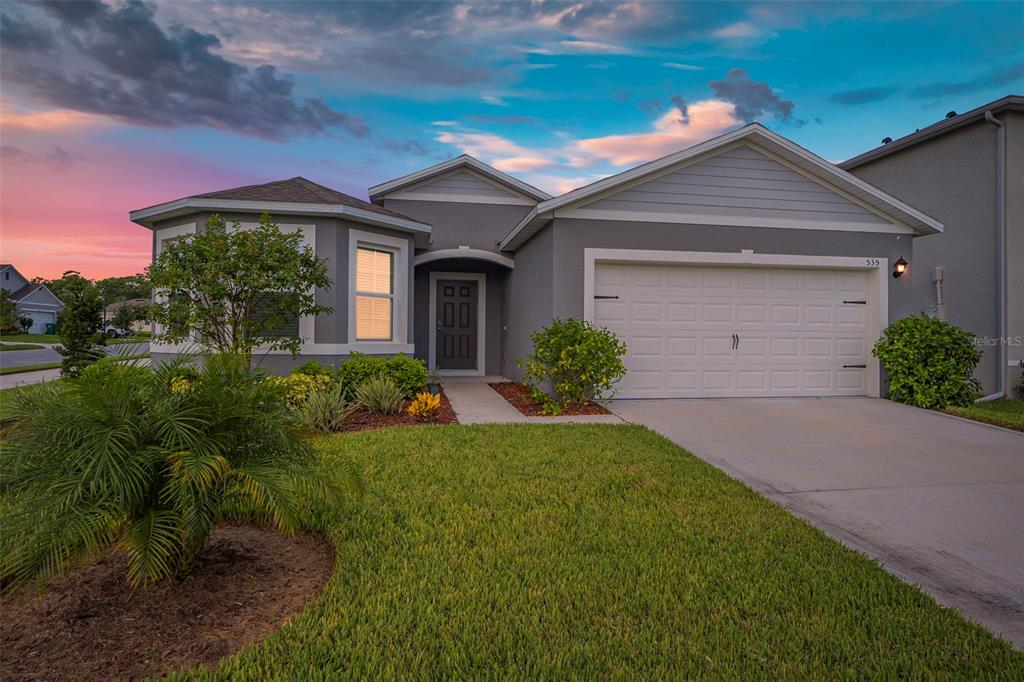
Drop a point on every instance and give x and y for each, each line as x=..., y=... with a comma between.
x=872, y=262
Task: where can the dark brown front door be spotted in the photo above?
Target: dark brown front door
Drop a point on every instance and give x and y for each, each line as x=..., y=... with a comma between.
x=456, y=324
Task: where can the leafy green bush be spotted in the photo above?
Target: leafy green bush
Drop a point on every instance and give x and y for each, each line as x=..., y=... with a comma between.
x=325, y=410
x=581, y=361
x=930, y=362
x=314, y=369
x=380, y=395
x=408, y=374
x=116, y=458
x=297, y=387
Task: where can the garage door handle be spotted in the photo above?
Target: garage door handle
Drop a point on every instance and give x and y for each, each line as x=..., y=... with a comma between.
x=596, y=296
x=857, y=302
x=855, y=366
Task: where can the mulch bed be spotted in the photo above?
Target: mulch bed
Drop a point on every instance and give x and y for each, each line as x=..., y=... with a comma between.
x=519, y=396
x=364, y=420
x=94, y=626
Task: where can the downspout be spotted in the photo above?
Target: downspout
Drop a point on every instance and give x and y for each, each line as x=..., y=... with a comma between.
x=1000, y=255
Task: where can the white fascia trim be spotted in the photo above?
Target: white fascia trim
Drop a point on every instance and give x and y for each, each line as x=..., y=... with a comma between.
x=824, y=171
x=413, y=195
x=367, y=348
x=877, y=269
x=689, y=218
x=472, y=254
x=481, y=320
x=452, y=164
x=145, y=216
x=402, y=301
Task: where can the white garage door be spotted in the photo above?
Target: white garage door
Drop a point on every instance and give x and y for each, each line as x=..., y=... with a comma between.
x=699, y=331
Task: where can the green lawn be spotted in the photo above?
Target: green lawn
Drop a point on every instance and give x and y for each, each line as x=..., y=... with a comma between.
x=30, y=338
x=598, y=551
x=20, y=346
x=1007, y=413
x=55, y=365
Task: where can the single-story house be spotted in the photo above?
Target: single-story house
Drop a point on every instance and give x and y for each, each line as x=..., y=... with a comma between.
x=742, y=266
x=34, y=301
x=111, y=309
x=967, y=170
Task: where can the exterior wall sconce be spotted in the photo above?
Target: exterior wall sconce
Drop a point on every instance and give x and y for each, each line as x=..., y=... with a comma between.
x=899, y=267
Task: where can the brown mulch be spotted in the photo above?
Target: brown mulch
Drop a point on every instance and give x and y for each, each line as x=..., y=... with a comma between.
x=94, y=626
x=364, y=420
x=519, y=396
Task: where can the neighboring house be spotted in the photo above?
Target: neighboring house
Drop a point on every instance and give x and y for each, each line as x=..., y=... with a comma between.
x=34, y=301
x=137, y=303
x=742, y=266
x=967, y=171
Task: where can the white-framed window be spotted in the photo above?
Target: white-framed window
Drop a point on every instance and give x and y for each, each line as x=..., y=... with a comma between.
x=375, y=293
x=378, y=309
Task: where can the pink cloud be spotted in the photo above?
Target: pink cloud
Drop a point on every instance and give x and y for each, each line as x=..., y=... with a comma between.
x=523, y=164
x=707, y=119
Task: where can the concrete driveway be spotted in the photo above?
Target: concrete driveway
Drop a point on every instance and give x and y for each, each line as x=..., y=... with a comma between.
x=938, y=500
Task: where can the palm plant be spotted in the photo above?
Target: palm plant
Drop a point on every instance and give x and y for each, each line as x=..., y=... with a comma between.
x=116, y=458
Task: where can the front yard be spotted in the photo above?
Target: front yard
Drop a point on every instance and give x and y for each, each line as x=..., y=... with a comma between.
x=568, y=551
x=1006, y=413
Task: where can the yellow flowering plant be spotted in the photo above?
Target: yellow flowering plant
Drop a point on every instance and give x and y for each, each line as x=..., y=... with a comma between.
x=424, y=406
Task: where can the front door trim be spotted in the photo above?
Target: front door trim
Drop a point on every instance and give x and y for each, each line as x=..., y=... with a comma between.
x=481, y=318
x=878, y=281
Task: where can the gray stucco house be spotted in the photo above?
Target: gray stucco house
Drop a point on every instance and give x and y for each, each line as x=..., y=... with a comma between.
x=31, y=300
x=742, y=266
x=968, y=171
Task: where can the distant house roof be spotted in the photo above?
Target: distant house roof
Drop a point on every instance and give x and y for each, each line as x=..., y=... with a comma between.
x=117, y=305
x=294, y=196
x=21, y=293
x=944, y=126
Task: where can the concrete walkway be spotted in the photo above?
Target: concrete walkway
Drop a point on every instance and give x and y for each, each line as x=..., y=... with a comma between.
x=938, y=500
x=475, y=402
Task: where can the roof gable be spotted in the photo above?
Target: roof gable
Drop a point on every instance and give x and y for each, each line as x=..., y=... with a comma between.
x=461, y=177
x=738, y=184
x=36, y=293
x=762, y=140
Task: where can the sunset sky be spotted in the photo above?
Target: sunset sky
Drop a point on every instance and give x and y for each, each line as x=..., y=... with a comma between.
x=111, y=106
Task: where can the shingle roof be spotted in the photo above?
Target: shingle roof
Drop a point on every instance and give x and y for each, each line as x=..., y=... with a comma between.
x=297, y=190
x=21, y=293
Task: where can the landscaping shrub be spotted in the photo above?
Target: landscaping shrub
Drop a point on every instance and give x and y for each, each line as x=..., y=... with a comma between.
x=930, y=362
x=425, y=406
x=314, y=369
x=325, y=410
x=381, y=395
x=408, y=374
x=581, y=361
x=1020, y=386
x=115, y=458
x=297, y=387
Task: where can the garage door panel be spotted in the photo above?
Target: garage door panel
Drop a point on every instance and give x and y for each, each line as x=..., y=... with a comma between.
x=794, y=330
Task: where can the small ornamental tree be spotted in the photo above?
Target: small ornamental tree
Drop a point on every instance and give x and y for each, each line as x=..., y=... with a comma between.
x=81, y=325
x=8, y=317
x=930, y=362
x=127, y=315
x=234, y=290
x=25, y=323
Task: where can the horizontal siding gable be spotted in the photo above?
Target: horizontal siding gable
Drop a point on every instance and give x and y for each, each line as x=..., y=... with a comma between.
x=738, y=183
x=461, y=183
x=41, y=296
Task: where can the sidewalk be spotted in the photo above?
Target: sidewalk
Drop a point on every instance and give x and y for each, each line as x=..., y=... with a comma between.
x=475, y=402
